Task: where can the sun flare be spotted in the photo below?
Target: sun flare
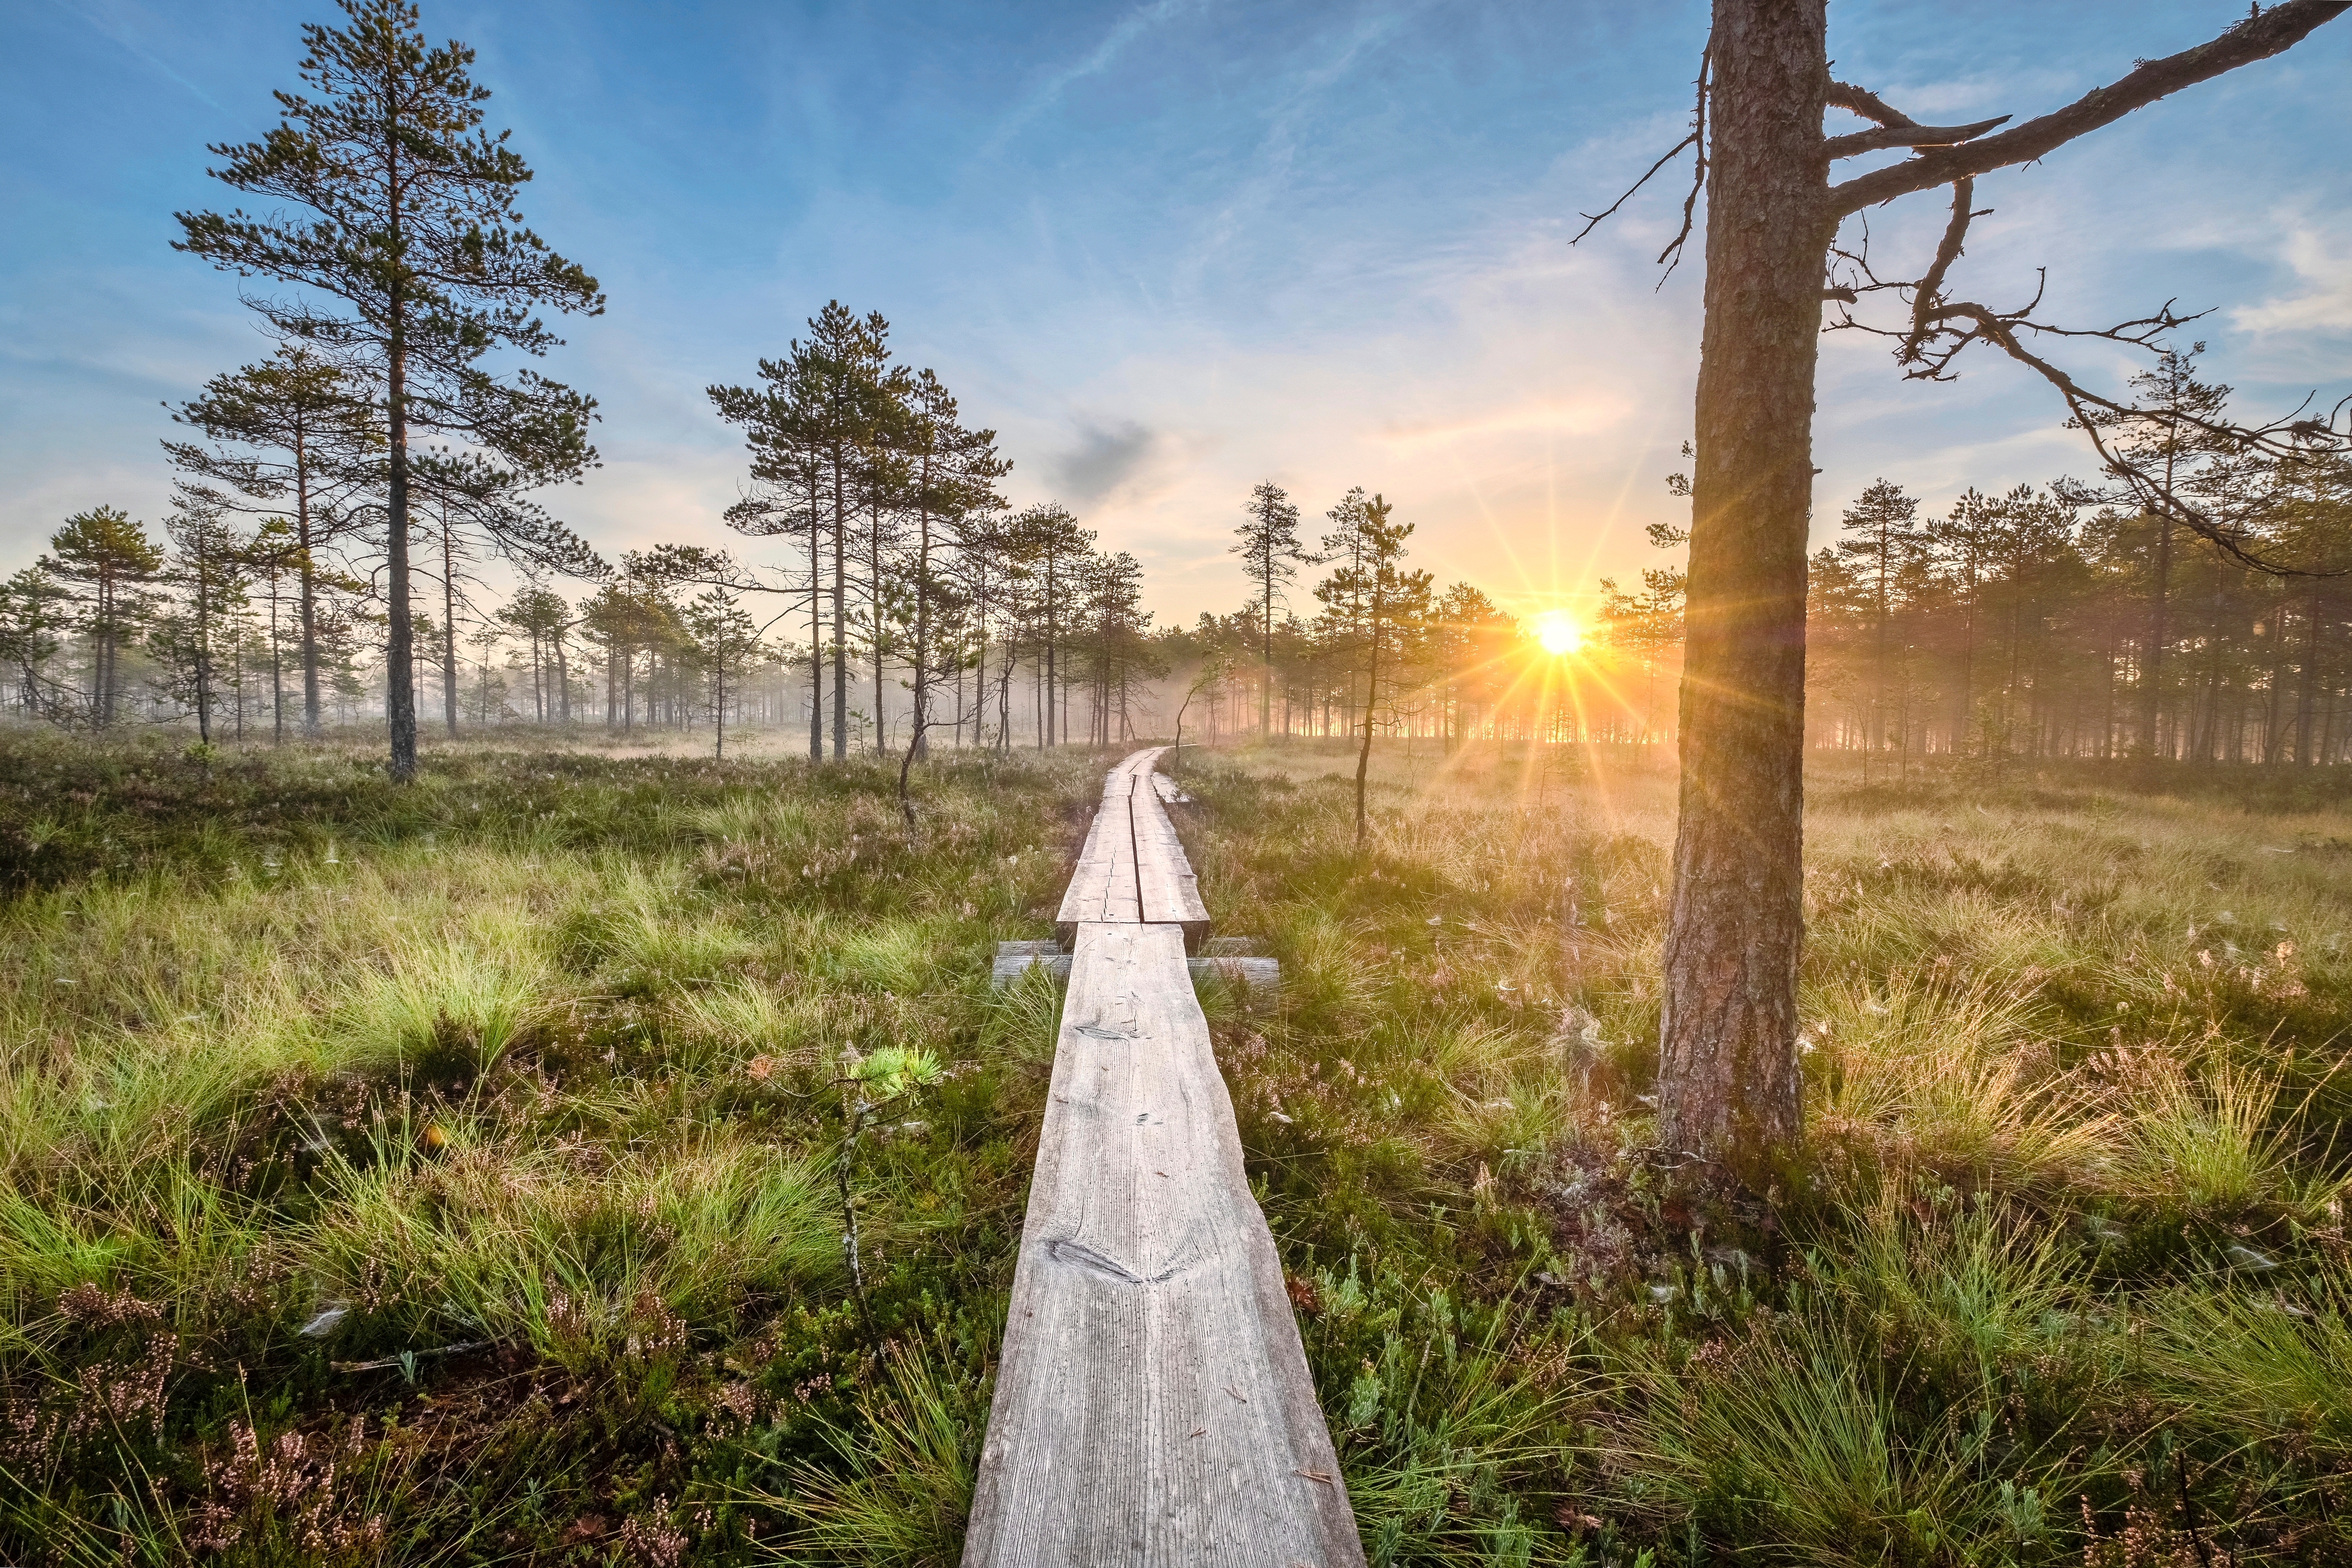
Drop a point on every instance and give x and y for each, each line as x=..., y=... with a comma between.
x=1557, y=632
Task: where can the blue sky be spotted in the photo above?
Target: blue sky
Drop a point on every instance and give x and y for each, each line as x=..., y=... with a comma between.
x=1170, y=249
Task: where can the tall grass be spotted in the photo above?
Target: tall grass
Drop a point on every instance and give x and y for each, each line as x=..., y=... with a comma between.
x=506, y=1095
x=2071, y=1065
x=501, y=1111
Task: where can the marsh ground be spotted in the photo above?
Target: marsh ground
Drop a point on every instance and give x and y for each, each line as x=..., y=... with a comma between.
x=454, y=1173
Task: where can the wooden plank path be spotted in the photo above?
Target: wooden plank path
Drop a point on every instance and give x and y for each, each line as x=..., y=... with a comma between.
x=1132, y=869
x=1152, y=1401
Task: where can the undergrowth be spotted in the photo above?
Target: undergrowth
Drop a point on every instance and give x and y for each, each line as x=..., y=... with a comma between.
x=2065, y=1278
x=448, y=1175
x=453, y=1174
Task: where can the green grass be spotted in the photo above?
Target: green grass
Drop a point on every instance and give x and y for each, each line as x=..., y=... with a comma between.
x=498, y=1116
x=2064, y=1279
x=446, y=1174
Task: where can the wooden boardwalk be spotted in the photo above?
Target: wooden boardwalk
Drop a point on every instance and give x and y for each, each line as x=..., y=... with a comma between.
x=1153, y=1402
x=1132, y=870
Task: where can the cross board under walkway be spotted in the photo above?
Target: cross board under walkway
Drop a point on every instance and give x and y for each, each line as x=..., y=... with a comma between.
x=1152, y=1400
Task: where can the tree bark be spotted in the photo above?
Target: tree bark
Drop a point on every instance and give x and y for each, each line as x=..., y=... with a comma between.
x=840, y=611
x=816, y=623
x=1727, y=1075
x=448, y=624
x=399, y=669
x=309, y=584
x=1364, y=753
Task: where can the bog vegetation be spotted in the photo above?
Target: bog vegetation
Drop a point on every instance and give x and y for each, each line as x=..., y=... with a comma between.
x=557, y=1147
x=457, y=1172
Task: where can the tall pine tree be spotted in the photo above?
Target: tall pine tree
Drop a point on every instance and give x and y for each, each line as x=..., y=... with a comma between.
x=1267, y=542
x=404, y=220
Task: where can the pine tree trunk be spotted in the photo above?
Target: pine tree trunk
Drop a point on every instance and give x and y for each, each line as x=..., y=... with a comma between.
x=399, y=667
x=817, y=627
x=1727, y=1068
x=2159, y=632
x=918, y=741
x=448, y=624
x=1047, y=733
x=874, y=592
x=840, y=614
x=1371, y=697
x=310, y=581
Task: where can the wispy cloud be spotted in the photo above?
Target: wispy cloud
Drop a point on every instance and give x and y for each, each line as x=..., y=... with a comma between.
x=110, y=23
x=1576, y=416
x=2324, y=303
x=1046, y=93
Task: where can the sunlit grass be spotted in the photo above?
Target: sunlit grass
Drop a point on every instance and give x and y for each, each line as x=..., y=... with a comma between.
x=2072, y=1058
x=540, y=1056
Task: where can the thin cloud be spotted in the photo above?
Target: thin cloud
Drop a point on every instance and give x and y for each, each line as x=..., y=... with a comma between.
x=1124, y=32
x=1583, y=416
x=2325, y=303
x=124, y=35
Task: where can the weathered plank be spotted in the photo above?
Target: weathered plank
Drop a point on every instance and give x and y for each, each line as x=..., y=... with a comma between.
x=1238, y=967
x=1103, y=885
x=1014, y=960
x=1166, y=889
x=1249, y=974
x=1152, y=1403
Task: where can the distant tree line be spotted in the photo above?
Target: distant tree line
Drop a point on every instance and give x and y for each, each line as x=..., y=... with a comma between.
x=2040, y=623
x=2075, y=620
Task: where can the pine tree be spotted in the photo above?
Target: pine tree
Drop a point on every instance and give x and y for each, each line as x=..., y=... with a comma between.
x=823, y=412
x=1342, y=593
x=1056, y=546
x=1387, y=604
x=2165, y=437
x=1267, y=542
x=104, y=563
x=540, y=616
x=724, y=642
x=208, y=564
x=1880, y=527
x=1728, y=1083
x=784, y=425
x=289, y=430
x=411, y=228
x=33, y=618
x=951, y=474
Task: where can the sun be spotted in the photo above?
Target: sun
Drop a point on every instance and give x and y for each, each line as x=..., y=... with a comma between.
x=1558, y=632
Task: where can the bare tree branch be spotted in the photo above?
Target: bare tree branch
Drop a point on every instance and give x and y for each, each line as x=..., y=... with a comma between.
x=1593, y=220
x=1931, y=286
x=1697, y=139
x=2279, y=439
x=1887, y=136
x=1866, y=103
x=2258, y=36
x=1673, y=254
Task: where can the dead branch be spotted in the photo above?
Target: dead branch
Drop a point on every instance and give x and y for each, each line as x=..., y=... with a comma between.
x=1695, y=139
x=2256, y=37
x=1931, y=286
x=1866, y=103
x=1887, y=136
x=1672, y=256
x=2276, y=439
x=1593, y=220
